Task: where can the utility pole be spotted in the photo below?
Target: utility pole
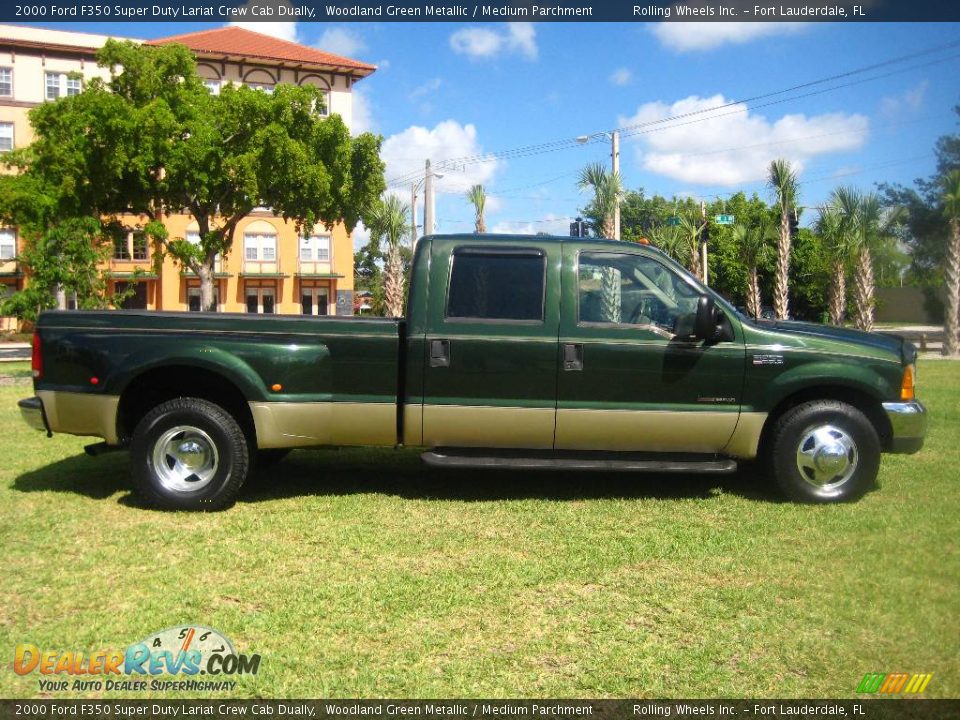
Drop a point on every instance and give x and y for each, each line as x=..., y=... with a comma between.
x=413, y=215
x=615, y=161
x=428, y=200
x=703, y=244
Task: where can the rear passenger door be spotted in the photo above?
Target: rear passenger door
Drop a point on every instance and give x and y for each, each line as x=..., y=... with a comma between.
x=490, y=366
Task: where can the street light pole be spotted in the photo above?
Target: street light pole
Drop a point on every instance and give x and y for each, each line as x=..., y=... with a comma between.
x=428, y=200
x=413, y=214
x=615, y=162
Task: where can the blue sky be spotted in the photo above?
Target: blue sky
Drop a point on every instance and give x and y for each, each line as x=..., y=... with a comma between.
x=464, y=89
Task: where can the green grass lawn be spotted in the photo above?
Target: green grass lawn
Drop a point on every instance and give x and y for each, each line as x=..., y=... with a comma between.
x=359, y=573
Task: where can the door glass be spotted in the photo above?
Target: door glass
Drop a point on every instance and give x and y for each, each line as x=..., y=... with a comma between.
x=491, y=285
x=323, y=300
x=268, y=301
x=253, y=301
x=626, y=289
x=193, y=301
x=306, y=300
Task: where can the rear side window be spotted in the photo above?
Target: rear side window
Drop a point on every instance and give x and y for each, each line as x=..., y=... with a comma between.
x=497, y=284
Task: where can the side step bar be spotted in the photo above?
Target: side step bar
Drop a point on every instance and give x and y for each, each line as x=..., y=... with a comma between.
x=572, y=460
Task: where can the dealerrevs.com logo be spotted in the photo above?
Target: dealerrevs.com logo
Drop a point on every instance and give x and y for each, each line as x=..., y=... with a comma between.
x=894, y=683
x=172, y=659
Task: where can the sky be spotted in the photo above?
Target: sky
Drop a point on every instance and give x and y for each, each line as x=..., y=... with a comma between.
x=449, y=91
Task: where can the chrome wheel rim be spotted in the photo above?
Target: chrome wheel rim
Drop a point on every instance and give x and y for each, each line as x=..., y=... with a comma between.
x=185, y=459
x=826, y=457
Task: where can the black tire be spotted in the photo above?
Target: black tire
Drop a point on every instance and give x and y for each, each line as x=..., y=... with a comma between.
x=824, y=451
x=203, y=454
x=271, y=456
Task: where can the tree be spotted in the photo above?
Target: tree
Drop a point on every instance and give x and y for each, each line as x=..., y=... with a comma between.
x=690, y=230
x=783, y=180
x=872, y=226
x=607, y=188
x=152, y=141
x=478, y=198
x=951, y=206
x=753, y=243
x=836, y=228
x=390, y=221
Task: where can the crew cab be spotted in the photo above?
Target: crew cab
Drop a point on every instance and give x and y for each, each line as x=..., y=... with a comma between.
x=516, y=352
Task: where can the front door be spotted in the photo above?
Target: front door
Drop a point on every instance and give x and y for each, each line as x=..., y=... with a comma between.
x=627, y=382
x=490, y=365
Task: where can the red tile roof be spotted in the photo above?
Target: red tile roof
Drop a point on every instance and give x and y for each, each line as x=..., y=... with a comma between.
x=237, y=41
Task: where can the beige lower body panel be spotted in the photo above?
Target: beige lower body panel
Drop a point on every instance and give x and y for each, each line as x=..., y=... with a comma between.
x=492, y=427
x=289, y=425
x=644, y=430
x=81, y=413
x=746, y=438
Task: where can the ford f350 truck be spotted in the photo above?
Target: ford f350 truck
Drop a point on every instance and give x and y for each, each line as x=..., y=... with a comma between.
x=516, y=352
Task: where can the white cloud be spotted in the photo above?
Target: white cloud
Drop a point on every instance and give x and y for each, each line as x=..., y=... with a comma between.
x=481, y=43
x=383, y=64
x=621, y=76
x=909, y=102
x=361, y=236
x=362, y=112
x=340, y=41
x=735, y=147
x=695, y=36
x=550, y=224
x=281, y=30
x=406, y=151
x=430, y=86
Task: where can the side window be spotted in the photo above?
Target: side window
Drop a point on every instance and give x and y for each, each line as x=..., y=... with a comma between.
x=497, y=285
x=632, y=290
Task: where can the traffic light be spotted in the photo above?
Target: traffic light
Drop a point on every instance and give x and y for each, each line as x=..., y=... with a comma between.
x=578, y=228
x=794, y=223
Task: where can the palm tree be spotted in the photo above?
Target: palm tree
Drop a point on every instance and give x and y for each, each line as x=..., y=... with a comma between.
x=951, y=206
x=872, y=227
x=690, y=230
x=607, y=189
x=783, y=180
x=478, y=198
x=667, y=238
x=836, y=227
x=752, y=243
x=390, y=220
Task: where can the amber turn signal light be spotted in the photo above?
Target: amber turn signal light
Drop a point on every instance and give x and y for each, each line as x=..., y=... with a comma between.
x=907, y=385
x=276, y=387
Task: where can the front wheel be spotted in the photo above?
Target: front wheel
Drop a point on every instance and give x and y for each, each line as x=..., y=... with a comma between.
x=189, y=454
x=824, y=451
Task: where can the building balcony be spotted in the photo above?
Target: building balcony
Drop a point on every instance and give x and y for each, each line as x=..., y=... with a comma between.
x=262, y=269
x=316, y=269
x=10, y=268
x=219, y=270
x=122, y=268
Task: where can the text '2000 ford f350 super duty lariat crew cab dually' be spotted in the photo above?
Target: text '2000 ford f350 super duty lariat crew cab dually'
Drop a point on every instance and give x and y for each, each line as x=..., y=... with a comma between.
x=523, y=352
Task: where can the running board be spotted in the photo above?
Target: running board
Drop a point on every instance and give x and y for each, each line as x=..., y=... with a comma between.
x=573, y=460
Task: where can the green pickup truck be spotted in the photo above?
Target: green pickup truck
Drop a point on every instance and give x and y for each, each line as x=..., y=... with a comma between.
x=516, y=352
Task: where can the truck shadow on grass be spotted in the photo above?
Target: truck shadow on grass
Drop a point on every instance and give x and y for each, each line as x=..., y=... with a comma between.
x=401, y=474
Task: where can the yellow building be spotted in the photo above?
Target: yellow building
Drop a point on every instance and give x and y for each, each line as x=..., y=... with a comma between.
x=270, y=268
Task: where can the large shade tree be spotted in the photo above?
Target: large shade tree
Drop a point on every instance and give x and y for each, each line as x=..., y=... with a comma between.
x=152, y=141
x=783, y=181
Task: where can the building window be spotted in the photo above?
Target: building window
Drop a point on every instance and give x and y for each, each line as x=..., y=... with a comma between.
x=260, y=246
x=139, y=246
x=261, y=86
x=60, y=84
x=6, y=136
x=261, y=299
x=193, y=299
x=213, y=86
x=121, y=248
x=6, y=82
x=315, y=300
x=8, y=244
x=324, y=109
x=497, y=284
x=315, y=247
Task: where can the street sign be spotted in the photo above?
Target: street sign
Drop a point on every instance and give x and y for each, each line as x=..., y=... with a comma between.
x=724, y=219
x=673, y=220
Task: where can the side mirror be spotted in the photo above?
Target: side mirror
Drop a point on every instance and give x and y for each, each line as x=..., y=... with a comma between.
x=706, y=325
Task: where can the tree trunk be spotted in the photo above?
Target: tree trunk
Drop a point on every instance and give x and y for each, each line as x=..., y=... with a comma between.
x=838, y=292
x=695, y=260
x=481, y=223
x=863, y=290
x=951, y=326
x=781, y=280
x=753, y=293
x=393, y=283
x=205, y=272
